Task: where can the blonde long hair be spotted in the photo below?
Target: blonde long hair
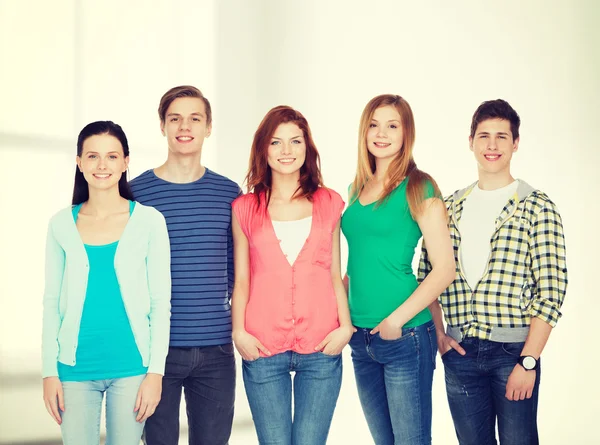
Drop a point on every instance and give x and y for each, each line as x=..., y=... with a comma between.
x=402, y=166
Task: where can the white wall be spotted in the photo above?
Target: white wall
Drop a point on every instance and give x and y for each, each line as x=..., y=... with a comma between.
x=75, y=61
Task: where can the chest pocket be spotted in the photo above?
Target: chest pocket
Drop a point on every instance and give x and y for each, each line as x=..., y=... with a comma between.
x=322, y=255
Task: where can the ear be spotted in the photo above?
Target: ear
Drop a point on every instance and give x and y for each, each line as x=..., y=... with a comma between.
x=516, y=144
x=208, y=130
x=78, y=162
x=162, y=127
x=471, y=143
x=126, y=164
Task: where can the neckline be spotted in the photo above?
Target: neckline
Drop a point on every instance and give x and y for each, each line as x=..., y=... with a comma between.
x=75, y=212
x=201, y=178
x=278, y=241
x=377, y=200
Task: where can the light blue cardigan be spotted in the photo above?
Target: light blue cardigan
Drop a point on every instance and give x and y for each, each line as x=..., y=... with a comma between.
x=143, y=268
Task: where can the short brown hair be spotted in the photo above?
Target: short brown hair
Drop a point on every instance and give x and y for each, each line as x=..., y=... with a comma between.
x=182, y=91
x=496, y=109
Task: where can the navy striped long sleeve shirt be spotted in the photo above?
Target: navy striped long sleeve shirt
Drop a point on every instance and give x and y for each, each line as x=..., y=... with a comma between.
x=198, y=216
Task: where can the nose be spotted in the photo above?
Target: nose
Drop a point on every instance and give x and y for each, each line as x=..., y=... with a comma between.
x=101, y=163
x=492, y=143
x=184, y=124
x=286, y=148
x=381, y=132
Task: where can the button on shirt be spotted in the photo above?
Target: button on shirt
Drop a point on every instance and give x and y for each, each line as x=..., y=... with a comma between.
x=290, y=306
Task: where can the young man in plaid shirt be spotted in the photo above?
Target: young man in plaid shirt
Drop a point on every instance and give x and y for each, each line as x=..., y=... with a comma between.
x=510, y=283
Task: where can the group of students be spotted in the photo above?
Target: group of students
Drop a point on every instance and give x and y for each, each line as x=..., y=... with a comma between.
x=149, y=282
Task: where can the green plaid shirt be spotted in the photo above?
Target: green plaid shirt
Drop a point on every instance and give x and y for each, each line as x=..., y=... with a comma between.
x=526, y=275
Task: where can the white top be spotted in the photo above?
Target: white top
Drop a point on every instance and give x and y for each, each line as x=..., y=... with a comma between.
x=477, y=225
x=292, y=236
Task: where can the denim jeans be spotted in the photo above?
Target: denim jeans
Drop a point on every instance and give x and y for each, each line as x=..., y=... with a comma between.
x=316, y=387
x=476, y=388
x=207, y=376
x=394, y=379
x=83, y=405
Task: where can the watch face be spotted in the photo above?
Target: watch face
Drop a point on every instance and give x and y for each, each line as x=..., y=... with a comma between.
x=529, y=362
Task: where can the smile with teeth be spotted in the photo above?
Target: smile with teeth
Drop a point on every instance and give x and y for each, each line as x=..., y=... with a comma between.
x=286, y=160
x=184, y=138
x=102, y=175
x=492, y=157
x=382, y=144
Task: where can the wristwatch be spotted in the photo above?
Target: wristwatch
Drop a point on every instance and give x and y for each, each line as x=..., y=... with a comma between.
x=528, y=362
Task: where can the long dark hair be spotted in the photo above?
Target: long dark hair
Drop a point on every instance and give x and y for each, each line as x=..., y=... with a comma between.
x=81, y=191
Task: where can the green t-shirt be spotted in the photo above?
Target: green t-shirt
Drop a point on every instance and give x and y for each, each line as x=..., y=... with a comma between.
x=381, y=246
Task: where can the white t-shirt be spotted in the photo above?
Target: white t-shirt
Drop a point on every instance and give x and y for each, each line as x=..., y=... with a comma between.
x=477, y=225
x=292, y=236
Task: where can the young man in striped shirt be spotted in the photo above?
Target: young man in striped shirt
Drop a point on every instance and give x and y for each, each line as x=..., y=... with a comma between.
x=511, y=280
x=196, y=203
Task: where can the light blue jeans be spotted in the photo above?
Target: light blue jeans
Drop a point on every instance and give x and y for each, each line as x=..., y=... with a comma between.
x=83, y=406
x=316, y=386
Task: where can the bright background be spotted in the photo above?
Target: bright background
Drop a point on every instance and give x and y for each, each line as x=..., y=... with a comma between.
x=66, y=63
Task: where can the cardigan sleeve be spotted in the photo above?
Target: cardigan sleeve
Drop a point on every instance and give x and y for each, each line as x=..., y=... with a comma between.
x=54, y=273
x=158, y=266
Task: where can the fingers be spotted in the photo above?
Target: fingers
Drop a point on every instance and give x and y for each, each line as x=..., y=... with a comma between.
x=150, y=409
x=457, y=347
x=261, y=348
x=138, y=401
x=52, y=408
x=61, y=399
x=142, y=411
x=375, y=330
x=322, y=345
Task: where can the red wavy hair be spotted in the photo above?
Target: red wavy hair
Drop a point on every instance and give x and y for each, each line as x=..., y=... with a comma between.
x=259, y=177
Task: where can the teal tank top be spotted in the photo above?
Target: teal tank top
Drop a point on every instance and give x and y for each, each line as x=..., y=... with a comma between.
x=106, y=347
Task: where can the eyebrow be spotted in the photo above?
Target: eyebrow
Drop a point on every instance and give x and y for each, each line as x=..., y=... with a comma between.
x=391, y=120
x=295, y=137
x=96, y=153
x=193, y=114
x=504, y=133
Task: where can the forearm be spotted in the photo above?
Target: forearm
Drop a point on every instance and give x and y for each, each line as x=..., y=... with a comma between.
x=438, y=316
x=427, y=292
x=539, y=332
x=342, y=303
x=346, y=283
x=239, y=301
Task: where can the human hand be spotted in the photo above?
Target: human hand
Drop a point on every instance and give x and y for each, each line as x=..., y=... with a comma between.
x=248, y=345
x=148, y=396
x=520, y=383
x=388, y=330
x=446, y=343
x=335, y=341
x=54, y=397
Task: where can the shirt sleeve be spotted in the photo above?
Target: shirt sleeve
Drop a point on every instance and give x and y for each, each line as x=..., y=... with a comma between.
x=548, y=264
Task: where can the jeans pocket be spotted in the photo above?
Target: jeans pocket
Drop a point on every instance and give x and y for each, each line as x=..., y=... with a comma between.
x=433, y=343
x=513, y=349
x=226, y=349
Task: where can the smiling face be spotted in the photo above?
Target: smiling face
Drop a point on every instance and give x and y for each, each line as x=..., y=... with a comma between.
x=287, y=150
x=385, y=135
x=102, y=161
x=493, y=146
x=185, y=125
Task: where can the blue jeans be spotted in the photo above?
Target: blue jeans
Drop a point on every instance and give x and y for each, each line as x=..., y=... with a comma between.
x=394, y=379
x=207, y=376
x=316, y=387
x=476, y=388
x=83, y=405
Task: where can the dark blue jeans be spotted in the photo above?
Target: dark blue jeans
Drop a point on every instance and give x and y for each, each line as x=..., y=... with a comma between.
x=476, y=388
x=394, y=379
x=207, y=376
x=316, y=387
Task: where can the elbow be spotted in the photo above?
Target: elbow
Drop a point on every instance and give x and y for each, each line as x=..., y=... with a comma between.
x=446, y=273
